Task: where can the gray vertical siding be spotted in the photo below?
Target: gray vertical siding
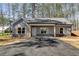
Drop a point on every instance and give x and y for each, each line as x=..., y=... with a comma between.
x=57, y=30
x=34, y=31
x=50, y=30
x=19, y=25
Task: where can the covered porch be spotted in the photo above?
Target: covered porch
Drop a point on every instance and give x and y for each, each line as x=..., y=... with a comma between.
x=50, y=30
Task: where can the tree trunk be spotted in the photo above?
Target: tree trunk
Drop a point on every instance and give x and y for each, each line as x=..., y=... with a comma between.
x=33, y=10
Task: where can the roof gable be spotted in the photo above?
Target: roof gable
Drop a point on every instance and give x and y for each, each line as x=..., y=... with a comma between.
x=17, y=22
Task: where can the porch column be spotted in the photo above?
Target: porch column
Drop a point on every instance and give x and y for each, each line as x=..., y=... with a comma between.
x=54, y=31
x=71, y=31
x=29, y=32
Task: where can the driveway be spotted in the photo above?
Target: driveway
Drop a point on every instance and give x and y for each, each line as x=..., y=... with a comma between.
x=48, y=47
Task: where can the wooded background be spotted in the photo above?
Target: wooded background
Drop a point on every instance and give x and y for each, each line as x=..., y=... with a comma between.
x=9, y=12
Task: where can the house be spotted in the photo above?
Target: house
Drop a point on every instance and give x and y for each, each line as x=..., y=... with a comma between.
x=42, y=27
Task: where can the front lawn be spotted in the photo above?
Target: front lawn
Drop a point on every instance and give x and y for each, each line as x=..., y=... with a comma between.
x=6, y=38
x=4, y=35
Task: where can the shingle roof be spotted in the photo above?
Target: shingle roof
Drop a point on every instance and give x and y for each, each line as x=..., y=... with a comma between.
x=49, y=21
x=43, y=21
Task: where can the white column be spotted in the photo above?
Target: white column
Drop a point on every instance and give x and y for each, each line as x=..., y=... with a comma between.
x=54, y=31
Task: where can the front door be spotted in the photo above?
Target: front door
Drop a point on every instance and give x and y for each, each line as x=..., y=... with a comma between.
x=61, y=30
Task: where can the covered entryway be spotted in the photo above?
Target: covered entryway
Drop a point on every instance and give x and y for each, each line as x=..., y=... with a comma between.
x=43, y=31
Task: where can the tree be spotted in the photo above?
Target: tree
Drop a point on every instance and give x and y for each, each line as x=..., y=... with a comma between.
x=58, y=10
x=3, y=19
x=9, y=15
x=14, y=8
x=33, y=10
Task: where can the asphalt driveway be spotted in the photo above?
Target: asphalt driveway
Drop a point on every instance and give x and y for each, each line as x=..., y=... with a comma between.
x=48, y=47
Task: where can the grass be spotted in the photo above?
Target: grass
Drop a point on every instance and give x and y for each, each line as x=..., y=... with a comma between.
x=5, y=38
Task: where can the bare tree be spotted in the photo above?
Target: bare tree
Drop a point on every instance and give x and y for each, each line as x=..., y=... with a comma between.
x=24, y=10
x=2, y=18
x=33, y=10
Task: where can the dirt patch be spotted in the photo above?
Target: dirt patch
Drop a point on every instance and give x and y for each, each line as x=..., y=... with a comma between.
x=75, y=33
x=5, y=41
x=74, y=41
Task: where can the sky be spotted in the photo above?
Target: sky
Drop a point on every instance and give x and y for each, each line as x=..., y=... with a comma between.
x=5, y=9
x=3, y=6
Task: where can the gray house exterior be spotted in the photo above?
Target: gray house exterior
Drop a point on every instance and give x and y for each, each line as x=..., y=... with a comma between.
x=42, y=27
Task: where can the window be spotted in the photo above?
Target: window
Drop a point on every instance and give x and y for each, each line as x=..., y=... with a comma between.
x=61, y=30
x=43, y=30
x=21, y=30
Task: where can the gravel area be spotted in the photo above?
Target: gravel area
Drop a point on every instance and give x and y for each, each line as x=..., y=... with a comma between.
x=48, y=47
